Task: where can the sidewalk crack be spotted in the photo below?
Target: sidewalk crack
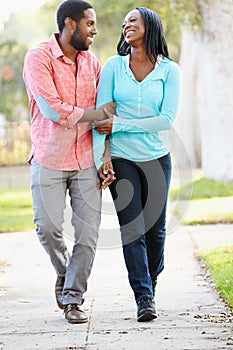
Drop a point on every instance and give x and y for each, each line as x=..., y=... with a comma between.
x=89, y=324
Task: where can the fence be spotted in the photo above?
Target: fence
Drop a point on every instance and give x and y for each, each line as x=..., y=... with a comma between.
x=15, y=143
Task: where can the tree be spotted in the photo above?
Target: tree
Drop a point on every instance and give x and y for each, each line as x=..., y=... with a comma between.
x=205, y=121
x=187, y=124
x=13, y=98
x=14, y=42
x=216, y=86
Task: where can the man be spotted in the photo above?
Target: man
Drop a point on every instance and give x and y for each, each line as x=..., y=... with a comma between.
x=61, y=78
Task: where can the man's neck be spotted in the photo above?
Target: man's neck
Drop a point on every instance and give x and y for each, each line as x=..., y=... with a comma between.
x=67, y=49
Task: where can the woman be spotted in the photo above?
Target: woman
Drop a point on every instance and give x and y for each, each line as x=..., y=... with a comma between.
x=145, y=83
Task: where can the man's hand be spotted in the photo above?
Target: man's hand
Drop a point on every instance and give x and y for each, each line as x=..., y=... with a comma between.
x=109, y=109
x=95, y=114
x=104, y=126
x=107, y=174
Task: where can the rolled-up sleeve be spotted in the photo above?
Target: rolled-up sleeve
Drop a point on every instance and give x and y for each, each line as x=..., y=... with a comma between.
x=38, y=76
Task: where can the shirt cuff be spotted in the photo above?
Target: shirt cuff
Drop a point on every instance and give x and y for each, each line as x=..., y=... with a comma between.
x=74, y=117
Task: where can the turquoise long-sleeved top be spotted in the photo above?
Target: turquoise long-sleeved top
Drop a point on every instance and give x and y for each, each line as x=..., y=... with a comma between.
x=144, y=109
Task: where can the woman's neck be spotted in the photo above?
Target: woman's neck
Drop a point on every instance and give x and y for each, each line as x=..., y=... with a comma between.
x=140, y=64
x=138, y=55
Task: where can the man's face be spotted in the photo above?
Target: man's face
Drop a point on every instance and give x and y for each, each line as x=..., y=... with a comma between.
x=83, y=35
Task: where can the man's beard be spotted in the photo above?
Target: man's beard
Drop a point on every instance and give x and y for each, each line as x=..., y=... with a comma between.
x=78, y=44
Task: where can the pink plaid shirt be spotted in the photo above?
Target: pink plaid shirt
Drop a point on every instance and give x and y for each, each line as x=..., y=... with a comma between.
x=58, y=94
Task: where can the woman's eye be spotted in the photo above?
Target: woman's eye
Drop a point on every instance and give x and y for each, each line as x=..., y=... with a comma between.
x=130, y=21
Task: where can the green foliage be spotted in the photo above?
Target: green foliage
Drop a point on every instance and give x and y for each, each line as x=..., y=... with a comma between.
x=13, y=98
x=189, y=12
x=110, y=17
x=47, y=15
x=203, y=188
x=15, y=210
x=173, y=15
x=220, y=264
x=14, y=42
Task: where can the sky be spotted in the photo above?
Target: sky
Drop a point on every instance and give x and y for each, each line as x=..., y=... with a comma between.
x=9, y=6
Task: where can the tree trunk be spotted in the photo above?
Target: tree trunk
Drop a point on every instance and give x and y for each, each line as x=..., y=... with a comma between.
x=215, y=64
x=187, y=123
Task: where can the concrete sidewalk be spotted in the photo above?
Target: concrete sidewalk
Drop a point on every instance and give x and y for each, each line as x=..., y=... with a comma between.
x=191, y=315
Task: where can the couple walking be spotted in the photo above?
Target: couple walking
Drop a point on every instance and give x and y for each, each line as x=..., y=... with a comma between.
x=91, y=129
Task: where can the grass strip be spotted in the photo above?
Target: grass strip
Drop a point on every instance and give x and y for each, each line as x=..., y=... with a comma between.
x=220, y=265
x=16, y=212
x=202, y=188
x=206, y=211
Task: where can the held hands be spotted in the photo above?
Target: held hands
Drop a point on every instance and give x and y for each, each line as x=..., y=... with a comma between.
x=107, y=174
x=105, y=126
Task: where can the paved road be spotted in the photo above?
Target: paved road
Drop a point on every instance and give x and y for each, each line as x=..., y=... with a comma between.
x=191, y=315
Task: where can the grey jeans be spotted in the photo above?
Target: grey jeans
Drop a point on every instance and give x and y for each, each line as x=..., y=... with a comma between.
x=49, y=189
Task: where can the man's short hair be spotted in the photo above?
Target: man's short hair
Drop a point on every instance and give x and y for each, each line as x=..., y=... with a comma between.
x=73, y=9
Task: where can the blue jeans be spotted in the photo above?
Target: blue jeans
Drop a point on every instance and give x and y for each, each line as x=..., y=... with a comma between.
x=140, y=195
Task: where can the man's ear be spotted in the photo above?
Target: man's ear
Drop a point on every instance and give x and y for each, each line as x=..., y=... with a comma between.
x=70, y=23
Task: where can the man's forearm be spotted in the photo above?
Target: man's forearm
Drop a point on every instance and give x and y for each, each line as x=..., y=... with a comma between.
x=91, y=115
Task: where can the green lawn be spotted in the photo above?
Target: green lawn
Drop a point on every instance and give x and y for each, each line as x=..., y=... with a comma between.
x=15, y=210
x=211, y=202
x=202, y=188
x=220, y=264
x=208, y=202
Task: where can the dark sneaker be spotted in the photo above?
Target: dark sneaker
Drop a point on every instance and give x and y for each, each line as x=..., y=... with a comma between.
x=74, y=314
x=146, y=310
x=58, y=291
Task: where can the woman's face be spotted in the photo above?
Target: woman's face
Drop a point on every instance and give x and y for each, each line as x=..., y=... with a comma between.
x=133, y=28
